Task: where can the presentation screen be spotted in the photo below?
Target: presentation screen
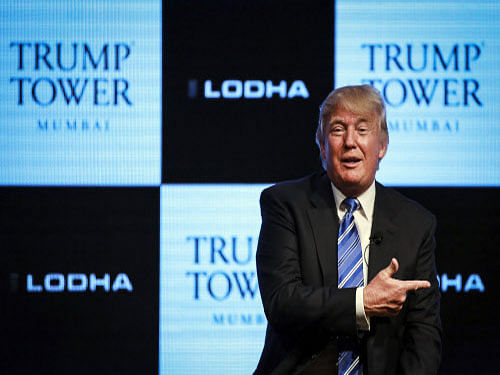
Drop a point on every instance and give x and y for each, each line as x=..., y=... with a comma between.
x=80, y=93
x=436, y=64
x=136, y=137
x=211, y=316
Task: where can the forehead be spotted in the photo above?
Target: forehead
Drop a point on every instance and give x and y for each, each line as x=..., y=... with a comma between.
x=347, y=116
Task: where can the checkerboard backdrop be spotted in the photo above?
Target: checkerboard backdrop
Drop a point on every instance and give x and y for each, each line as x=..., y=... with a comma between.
x=136, y=137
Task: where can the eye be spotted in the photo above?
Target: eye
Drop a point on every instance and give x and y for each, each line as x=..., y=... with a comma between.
x=337, y=129
x=363, y=128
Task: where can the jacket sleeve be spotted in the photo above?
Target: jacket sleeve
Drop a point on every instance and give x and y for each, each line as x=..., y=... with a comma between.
x=290, y=305
x=422, y=332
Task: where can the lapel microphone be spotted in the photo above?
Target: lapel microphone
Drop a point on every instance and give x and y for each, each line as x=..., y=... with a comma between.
x=376, y=238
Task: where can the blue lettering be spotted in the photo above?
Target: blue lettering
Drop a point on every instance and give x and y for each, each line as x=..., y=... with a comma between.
x=228, y=286
x=474, y=283
x=455, y=283
x=423, y=94
x=217, y=249
x=247, y=287
x=72, y=88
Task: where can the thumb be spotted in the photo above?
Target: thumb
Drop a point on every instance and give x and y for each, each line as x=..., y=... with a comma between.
x=392, y=268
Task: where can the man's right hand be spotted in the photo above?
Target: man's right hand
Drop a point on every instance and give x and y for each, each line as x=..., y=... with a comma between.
x=384, y=295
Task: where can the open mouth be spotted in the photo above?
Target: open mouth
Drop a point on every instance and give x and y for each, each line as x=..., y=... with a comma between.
x=351, y=161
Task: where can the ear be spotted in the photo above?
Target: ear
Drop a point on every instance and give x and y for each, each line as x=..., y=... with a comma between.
x=382, y=151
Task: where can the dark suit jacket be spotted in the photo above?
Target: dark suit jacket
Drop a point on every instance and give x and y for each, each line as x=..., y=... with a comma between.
x=297, y=272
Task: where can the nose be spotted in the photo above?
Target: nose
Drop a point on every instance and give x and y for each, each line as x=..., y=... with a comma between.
x=350, y=138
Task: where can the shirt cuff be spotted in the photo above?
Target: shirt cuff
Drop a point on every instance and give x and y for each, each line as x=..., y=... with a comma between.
x=362, y=322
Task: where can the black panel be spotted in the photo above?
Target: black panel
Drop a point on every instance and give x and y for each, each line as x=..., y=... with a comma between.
x=467, y=243
x=243, y=139
x=79, y=231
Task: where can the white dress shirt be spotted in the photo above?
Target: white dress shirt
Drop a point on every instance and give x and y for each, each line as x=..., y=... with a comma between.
x=363, y=218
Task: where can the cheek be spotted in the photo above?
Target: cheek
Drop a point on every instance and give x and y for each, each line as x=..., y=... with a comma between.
x=334, y=148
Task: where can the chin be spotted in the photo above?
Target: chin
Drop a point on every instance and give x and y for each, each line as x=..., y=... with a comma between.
x=351, y=181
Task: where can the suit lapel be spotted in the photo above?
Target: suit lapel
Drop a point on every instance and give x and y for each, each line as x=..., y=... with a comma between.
x=325, y=226
x=384, y=225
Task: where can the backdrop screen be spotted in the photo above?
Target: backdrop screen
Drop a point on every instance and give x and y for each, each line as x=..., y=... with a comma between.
x=80, y=93
x=137, y=135
x=211, y=317
x=436, y=64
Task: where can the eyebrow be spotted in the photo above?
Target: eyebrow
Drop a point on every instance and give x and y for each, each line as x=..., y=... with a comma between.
x=338, y=120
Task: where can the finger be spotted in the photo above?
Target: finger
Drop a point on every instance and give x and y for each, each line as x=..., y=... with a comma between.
x=392, y=268
x=416, y=284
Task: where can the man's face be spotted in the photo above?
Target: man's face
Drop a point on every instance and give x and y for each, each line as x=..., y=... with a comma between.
x=352, y=148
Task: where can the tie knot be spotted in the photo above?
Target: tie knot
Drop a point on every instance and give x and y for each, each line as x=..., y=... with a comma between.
x=351, y=204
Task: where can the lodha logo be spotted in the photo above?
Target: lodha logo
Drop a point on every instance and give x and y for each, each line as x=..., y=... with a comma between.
x=473, y=283
x=251, y=89
x=78, y=282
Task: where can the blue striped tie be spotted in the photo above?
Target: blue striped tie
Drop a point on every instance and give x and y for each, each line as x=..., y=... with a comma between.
x=350, y=267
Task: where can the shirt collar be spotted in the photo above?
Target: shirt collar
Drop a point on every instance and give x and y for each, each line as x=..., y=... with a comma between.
x=366, y=200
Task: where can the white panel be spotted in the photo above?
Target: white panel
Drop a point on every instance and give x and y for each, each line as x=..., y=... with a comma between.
x=449, y=48
x=211, y=317
x=109, y=132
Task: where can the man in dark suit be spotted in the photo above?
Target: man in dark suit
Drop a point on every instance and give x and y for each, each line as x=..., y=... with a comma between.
x=388, y=323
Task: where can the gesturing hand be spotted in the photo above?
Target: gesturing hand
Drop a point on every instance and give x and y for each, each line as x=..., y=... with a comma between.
x=384, y=296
